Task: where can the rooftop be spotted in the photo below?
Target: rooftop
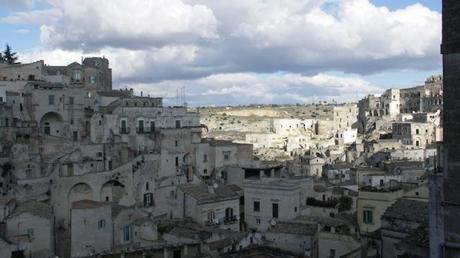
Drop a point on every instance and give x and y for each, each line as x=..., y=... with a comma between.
x=90, y=204
x=297, y=228
x=408, y=210
x=203, y=194
x=36, y=208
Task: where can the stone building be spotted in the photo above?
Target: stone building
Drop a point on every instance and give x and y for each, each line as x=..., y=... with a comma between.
x=374, y=107
x=70, y=141
x=92, y=74
x=445, y=181
x=345, y=117
x=268, y=199
x=414, y=135
x=213, y=205
x=432, y=96
x=404, y=229
x=31, y=228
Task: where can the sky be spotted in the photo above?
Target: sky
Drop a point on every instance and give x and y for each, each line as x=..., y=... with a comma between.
x=236, y=52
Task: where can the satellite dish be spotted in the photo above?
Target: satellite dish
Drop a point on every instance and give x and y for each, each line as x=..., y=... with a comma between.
x=215, y=185
x=273, y=222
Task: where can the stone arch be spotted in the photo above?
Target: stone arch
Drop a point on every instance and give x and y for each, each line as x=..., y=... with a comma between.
x=80, y=191
x=112, y=191
x=52, y=123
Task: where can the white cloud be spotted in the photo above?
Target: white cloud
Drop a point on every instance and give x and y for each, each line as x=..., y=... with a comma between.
x=133, y=24
x=22, y=31
x=156, y=41
x=33, y=17
x=244, y=88
x=17, y=4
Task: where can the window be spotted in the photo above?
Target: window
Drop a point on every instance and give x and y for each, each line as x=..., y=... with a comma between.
x=176, y=143
x=70, y=100
x=205, y=158
x=148, y=199
x=77, y=76
x=177, y=254
x=229, y=214
x=51, y=99
x=258, y=221
x=224, y=175
x=331, y=253
x=70, y=169
x=92, y=79
x=417, y=131
x=124, y=126
x=275, y=210
x=177, y=161
x=101, y=224
x=30, y=232
x=127, y=233
x=211, y=216
x=177, y=123
x=368, y=217
x=147, y=186
x=257, y=206
x=226, y=155
x=141, y=126
x=152, y=126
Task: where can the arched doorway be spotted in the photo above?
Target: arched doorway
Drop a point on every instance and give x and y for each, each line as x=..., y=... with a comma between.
x=52, y=124
x=112, y=191
x=80, y=191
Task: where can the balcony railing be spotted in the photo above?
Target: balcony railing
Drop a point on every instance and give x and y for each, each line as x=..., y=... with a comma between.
x=212, y=222
x=230, y=219
x=124, y=130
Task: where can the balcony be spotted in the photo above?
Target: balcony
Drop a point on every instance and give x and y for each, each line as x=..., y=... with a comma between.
x=213, y=222
x=146, y=130
x=124, y=130
x=230, y=219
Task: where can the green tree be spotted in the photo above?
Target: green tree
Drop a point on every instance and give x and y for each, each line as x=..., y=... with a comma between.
x=9, y=56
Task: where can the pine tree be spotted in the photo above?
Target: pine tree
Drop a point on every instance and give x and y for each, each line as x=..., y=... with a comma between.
x=9, y=57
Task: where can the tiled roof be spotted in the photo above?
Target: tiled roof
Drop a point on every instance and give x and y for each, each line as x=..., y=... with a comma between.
x=409, y=210
x=36, y=208
x=296, y=228
x=202, y=194
x=88, y=204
